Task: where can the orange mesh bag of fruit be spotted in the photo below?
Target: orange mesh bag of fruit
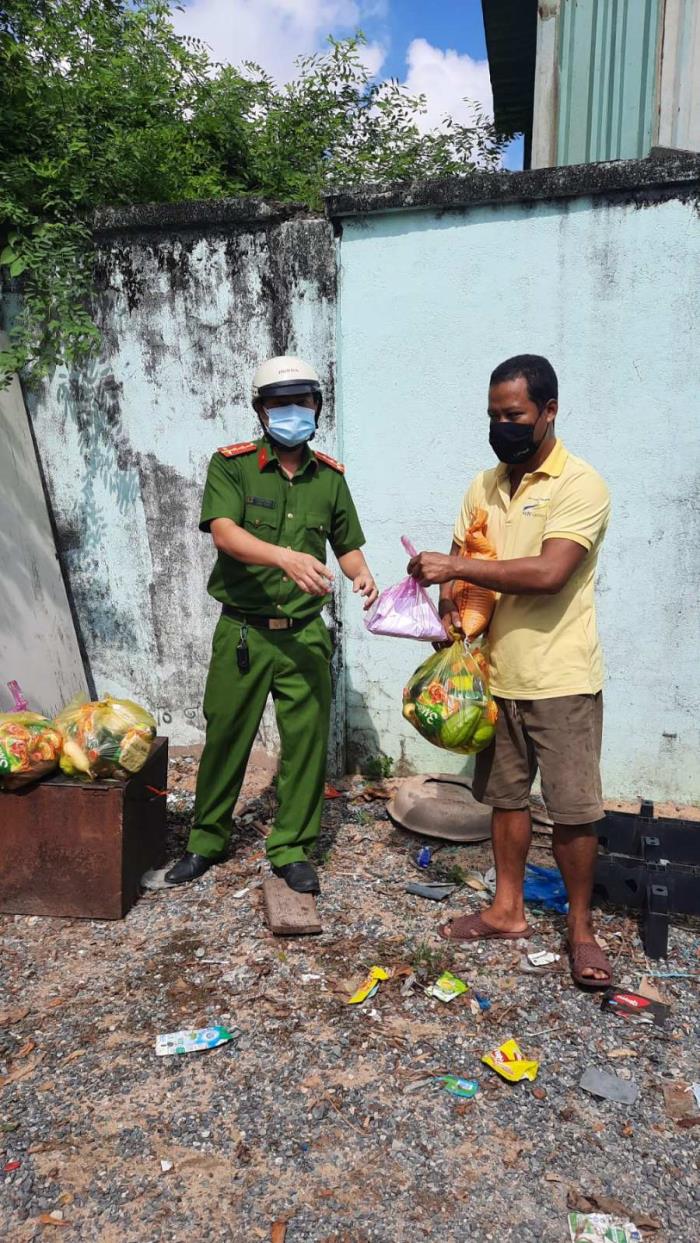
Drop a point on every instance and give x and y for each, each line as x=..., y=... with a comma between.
x=475, y=604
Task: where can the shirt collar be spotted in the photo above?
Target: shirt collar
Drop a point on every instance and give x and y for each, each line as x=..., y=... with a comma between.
x=552, y=466
x=267, y=454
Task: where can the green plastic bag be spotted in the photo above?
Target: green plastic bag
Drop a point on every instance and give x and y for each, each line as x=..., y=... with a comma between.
x=447, y=700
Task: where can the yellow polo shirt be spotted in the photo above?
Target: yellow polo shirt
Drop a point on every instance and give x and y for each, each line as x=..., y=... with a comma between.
x=544, y=646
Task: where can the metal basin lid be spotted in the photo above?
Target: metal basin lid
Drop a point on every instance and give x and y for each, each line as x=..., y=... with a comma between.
x=440, y=805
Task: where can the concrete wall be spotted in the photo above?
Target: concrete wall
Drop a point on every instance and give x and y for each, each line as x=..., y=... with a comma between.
x=188, y=303
x=606, y=285
x=596, y=267
x=38, y=642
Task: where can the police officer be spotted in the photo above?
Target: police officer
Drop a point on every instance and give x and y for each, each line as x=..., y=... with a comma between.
x=271, y=506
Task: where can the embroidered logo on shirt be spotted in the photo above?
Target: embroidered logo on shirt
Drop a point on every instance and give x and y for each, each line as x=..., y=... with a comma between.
x=531, y=506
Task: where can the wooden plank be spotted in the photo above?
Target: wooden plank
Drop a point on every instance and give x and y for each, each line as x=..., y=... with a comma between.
x=287, y=912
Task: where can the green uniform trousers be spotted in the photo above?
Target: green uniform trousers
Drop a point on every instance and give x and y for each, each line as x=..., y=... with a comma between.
x=294, y=667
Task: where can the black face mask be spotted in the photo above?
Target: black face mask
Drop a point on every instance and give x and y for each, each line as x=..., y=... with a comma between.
x=514, y=442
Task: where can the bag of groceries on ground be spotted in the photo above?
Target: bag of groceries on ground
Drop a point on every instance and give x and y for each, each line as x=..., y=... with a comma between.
x=30, y=746
x=448, y=700
x=104, y=738
x=475, y=604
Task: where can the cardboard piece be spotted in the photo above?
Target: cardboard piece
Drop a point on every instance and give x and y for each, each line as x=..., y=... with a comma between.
x=287, y=912
x=635, y=1007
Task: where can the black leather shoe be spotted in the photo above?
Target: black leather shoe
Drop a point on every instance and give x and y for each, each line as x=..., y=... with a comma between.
x=189, y=867
x=300, y=876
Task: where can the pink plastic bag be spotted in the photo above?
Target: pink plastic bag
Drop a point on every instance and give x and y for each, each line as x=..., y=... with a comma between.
x=15, y=690
x=406, y=610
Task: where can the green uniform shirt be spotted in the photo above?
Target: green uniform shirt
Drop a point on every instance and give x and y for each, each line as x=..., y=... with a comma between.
x=247, y=484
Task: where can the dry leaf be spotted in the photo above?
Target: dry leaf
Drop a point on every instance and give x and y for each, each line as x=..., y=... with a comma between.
x=28, y=1047
x=21, y=1072
x=48, y=1219
x=278, y=1231
x=609, y=1204
x=70, y=1057
x=475, y=881
x=622, y=1052
x=8, y=1017
x=679, y=1101
x=54, y=1002
x=648, y=989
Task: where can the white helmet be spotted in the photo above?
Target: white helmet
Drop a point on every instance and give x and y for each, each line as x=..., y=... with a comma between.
x=286, y=377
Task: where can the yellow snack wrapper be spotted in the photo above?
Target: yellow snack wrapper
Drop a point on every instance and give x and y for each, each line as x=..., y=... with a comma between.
x=370, y=986
x=509, y=1063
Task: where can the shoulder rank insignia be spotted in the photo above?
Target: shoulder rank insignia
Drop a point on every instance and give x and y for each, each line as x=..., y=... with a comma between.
x=330, y=461
x=249, y=446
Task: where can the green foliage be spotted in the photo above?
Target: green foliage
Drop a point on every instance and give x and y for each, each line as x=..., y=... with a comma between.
x=429, y=961
x=103, y=104
x=379, y=767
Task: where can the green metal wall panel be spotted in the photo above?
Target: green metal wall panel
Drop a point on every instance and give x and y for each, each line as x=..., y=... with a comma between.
x=607, y=79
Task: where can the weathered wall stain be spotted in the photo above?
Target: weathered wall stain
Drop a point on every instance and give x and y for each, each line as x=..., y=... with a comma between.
x=186, y=316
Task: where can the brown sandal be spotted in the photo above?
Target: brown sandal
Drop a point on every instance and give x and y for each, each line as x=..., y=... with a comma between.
x=586, y=955
x=473, y=928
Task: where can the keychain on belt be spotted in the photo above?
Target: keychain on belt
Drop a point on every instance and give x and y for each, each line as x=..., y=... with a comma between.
x=243, y=651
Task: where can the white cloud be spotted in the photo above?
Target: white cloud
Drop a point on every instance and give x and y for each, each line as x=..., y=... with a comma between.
x=447, y=78
x=275, y=32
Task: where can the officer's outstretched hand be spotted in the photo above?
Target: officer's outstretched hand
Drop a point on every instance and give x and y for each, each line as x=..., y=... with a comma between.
x=310, y=575
x=365, y=584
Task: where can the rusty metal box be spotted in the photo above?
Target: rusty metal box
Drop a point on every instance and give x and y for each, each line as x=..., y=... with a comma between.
x=80, y=849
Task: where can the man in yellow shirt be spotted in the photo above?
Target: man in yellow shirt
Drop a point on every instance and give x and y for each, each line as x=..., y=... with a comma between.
x=547, y=515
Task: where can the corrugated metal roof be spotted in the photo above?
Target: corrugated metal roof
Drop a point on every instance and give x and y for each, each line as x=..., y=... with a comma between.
x=511, y=43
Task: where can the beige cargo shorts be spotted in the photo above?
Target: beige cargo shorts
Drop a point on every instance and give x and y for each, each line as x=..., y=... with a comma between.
x=562, y=738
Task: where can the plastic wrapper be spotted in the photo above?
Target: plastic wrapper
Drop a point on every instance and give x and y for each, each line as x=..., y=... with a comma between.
x=30, y=747
x=195, y=1040
x=601, y=1228
x=447, y=987
x=406, y=611
x=447, y=700
x=104, y=738
x=509, y=1062
x=475, y=604
x=369, y=987
x=546, y=887
x=456, y=1086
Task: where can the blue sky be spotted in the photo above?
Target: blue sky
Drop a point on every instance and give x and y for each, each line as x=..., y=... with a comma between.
x=435, y=46
x=455, y=24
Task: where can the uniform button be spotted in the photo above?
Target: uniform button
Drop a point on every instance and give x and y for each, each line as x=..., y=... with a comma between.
x=284, y=578
x=290, y=515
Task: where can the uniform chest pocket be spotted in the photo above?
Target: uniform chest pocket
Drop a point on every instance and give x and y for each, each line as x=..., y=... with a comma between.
x=316, y=533
x=261, y=522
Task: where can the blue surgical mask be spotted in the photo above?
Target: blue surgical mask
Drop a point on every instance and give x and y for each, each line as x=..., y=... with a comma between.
x=291, y=425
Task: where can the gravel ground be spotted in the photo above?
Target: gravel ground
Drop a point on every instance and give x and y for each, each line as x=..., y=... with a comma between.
x=322, y=1117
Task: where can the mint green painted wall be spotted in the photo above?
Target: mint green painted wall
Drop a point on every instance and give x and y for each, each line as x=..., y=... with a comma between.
x=429, y=304
x=607, y=79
